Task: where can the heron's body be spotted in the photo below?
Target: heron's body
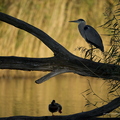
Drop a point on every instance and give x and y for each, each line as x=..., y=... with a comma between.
x=89, y=34
x=54, y=107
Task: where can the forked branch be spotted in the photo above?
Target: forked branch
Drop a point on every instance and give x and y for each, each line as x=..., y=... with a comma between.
x=63, y=61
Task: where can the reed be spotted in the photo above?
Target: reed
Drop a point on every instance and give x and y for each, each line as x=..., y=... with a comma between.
x=52, y=17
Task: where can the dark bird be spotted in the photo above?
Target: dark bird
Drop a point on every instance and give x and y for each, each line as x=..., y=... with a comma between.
x=54, y=107
x=89, y=34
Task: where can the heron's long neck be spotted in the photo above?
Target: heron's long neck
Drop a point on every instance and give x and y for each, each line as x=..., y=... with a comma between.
x=81, y=28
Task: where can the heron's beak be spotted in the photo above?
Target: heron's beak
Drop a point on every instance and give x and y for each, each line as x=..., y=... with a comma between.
x=76, y=21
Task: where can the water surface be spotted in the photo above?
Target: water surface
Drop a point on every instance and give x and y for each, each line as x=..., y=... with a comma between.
x=22, y=96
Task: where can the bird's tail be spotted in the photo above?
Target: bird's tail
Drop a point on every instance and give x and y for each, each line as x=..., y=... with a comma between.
x=60, y=111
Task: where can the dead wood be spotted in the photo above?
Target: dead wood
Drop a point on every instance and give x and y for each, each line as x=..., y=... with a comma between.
x=63, y=61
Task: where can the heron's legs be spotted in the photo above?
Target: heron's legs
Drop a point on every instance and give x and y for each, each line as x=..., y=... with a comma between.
x=91, y=52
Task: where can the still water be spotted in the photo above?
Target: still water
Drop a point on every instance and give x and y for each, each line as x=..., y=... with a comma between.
x=22, y=96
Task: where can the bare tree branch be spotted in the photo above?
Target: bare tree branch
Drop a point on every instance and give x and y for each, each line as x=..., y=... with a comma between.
x=52, y=74
x=46, y=39
x=63, y=61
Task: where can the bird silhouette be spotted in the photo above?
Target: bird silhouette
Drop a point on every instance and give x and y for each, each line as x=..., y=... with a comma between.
x=54, y=107
x=89, y=34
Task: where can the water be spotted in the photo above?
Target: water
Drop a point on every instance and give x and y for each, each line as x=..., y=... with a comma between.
x=22, y=96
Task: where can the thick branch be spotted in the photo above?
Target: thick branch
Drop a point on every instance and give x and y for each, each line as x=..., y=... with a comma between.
x=52, y=74
x=58, y=65
x=46, y=39
x=62, y=62
x=79, y=116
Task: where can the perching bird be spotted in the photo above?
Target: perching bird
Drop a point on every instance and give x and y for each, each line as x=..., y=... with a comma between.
x=89, y=34
x=54, y=107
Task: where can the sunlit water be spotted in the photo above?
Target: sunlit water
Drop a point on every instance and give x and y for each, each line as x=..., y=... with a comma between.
x=21, y=96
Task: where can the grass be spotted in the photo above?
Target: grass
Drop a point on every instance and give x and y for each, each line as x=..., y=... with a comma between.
x=52, y=17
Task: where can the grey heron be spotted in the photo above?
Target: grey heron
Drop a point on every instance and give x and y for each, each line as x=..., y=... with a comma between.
x=89, y=34
x=54, y=107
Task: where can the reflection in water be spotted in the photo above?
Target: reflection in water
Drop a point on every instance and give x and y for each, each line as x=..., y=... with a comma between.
x=23, y=96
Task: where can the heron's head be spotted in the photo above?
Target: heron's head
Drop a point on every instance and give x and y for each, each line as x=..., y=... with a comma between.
x=78, y=21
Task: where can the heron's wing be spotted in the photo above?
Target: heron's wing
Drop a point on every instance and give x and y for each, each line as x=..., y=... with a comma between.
x=93, y=37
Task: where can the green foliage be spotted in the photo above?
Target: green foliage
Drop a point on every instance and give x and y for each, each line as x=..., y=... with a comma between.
x=113, y=26
x=112, y=56
x=4, y=4
x=88, y=52
x=50, y=16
